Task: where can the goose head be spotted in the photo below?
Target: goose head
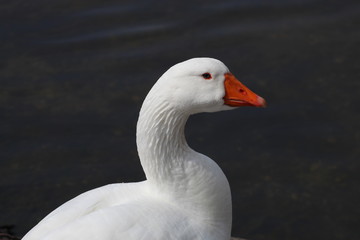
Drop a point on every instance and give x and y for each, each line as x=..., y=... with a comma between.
x=204, y=85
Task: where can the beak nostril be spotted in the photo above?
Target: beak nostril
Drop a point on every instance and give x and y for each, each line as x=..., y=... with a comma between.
x=242, y=91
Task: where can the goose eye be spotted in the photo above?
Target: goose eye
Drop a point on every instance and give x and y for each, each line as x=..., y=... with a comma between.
x=206, y=76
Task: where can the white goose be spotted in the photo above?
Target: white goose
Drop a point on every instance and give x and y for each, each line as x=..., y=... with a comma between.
x=186, y=195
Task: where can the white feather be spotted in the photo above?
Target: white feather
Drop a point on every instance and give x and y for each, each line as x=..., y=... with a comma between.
x=186, y=195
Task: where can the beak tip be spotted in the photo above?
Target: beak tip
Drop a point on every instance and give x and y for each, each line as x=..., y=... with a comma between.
x=261, y=102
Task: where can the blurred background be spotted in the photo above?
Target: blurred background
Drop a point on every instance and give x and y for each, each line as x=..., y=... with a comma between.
x=73, y=75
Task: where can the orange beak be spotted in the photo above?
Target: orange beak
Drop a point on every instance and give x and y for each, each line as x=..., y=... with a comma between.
x=238, y=95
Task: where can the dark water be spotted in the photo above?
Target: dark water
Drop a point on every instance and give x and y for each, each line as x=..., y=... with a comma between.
x=73, y=76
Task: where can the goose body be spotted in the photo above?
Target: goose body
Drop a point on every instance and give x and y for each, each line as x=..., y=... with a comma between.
x=185, y=195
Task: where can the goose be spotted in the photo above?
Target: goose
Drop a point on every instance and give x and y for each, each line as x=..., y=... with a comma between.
x=185, y=195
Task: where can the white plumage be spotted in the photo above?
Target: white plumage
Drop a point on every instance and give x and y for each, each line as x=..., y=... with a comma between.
x=186, y=195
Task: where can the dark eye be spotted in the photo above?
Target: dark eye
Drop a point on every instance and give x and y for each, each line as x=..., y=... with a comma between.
x=207, y=76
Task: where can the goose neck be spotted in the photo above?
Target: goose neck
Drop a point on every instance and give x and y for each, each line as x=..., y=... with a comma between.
x=161, y=141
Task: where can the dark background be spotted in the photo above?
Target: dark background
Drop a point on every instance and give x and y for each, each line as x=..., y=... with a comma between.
x=73, y=75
